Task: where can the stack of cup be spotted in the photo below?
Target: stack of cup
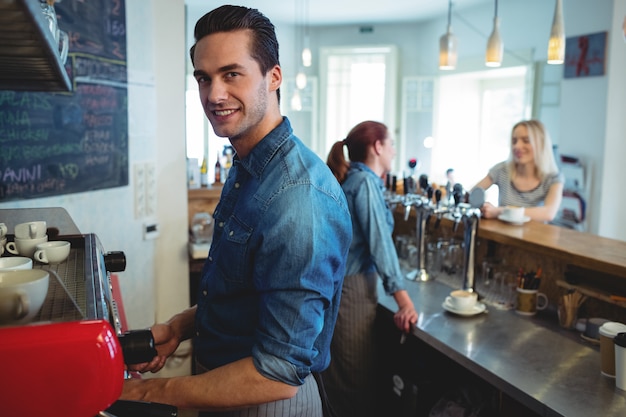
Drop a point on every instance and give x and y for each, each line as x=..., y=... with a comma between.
x=620, y=360
x=607, y=332
x=27, y=236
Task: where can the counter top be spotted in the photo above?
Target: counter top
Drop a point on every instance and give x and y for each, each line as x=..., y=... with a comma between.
x=577, y=248
x=550, y=370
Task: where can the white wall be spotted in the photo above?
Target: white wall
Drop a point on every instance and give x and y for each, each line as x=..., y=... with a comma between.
x=611, y=197
x=155, y=282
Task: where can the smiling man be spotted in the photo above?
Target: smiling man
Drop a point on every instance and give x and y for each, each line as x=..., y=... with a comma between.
x=270, y=288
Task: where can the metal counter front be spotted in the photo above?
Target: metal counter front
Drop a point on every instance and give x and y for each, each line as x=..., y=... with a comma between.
x=550, y=370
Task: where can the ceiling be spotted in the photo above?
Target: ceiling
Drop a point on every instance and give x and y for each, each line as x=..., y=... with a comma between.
x=334, y=12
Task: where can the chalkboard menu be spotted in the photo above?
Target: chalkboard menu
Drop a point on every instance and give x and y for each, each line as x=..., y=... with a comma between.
x=60, y=143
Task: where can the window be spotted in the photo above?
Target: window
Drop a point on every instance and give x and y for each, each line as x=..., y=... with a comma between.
x=357, y=84
x=474, y=117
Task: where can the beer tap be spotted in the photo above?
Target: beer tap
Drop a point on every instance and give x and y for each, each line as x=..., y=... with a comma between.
x=438, y=207
x=456, y=213
x=471, y=218
x=422, y=213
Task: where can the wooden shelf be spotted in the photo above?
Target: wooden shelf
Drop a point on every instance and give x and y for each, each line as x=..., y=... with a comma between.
x=29, y=57
x=203, y=200
x=593, y=292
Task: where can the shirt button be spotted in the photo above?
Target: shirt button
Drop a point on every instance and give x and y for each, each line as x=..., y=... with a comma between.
x=231, y=233
x=237, y=185
x=204, y=292
x=197, y=333
x=211, y=258
x=221, y=224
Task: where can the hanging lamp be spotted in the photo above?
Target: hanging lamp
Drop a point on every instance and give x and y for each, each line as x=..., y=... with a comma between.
x=495, y=48
x=306, y=49
x=447, y=45
x=556, y=45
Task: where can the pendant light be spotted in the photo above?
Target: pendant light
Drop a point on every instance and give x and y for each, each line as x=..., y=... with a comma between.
x=306, y=49
x=495, y=48
x=301, y=79
x=556, y=45
x=447, y=45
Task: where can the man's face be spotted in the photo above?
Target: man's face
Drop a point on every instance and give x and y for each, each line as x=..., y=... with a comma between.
x=233, y=92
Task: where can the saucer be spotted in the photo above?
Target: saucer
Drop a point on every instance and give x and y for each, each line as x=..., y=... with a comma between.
x=507, y=220
x=590, y=339
x=477, y=309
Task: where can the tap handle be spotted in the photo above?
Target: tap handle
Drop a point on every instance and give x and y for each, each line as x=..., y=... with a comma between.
x=457, y=198
x=388, y=181
x=394, y=179
x=423, y=181
x=429, y=192
x=437, y=195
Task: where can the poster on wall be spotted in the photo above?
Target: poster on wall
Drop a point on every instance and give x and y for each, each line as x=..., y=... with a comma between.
x=77, y=141
x=585, y=55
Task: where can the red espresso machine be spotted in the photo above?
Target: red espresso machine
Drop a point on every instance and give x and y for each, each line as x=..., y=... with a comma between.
x=70, y=360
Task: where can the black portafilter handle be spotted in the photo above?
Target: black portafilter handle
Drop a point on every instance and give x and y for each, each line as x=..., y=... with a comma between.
x=115, y=261
x=405, y=182
x=137, y=346
x=125, y=408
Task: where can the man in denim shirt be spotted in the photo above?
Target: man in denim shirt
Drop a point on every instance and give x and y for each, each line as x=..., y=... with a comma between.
x=271, y=285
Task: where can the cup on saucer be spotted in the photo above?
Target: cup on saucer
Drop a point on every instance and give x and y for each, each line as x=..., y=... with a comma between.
x=513, y=214
x=462, y=300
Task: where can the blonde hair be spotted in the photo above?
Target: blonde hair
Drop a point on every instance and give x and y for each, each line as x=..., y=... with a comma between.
x=545, y=163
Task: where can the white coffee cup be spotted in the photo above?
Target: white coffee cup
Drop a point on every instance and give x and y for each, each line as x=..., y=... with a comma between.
x=53, y=252
x=22, y=293
x=3, y=230
x=513, y=213
x=15, y=262
x=31, y=230
x=3, y=242
x=25, y=247
x=462, y=300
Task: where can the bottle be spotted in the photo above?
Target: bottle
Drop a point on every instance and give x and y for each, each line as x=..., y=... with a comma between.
x=218, y=170
x=204, y=173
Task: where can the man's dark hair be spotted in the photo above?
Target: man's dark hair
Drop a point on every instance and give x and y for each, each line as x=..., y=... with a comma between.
x=264, y=45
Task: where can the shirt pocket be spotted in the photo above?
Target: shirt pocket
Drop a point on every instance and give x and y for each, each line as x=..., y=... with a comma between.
x=232, y=258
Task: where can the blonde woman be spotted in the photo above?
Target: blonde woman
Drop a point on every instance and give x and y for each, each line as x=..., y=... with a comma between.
x=529, y=178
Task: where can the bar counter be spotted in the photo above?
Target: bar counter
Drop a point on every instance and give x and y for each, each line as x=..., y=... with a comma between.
x=550, y=370
x=577, y=248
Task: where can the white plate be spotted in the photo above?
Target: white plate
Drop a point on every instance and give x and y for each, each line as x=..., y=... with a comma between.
x=506, y=219
x=478, y=308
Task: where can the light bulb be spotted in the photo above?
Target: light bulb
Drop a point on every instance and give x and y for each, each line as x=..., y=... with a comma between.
x=495, y=47
x=301, y=80
x=447, y=51
x=556, y=44
x=306, y=57
x=296, y=101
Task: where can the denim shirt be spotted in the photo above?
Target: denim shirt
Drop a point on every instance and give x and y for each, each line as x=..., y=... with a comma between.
x=271, y=285
x=372, y=247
